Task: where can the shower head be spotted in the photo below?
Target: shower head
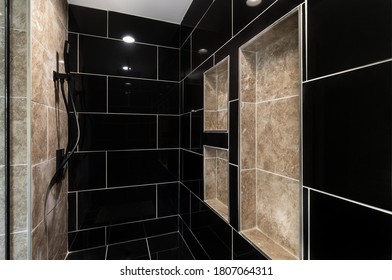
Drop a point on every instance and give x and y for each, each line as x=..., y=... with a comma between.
x=66, y=57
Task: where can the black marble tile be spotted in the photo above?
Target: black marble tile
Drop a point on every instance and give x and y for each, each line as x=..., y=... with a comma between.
x=233, y=196
x=341, y=230
x=233, y=132
x=212, y=31
x=144, y=30
x=184, y=205
x=305, y=223
x=185, y=123
x=133, y=250
x=86, y=239
x=87, y=171
x=192, y=172
x=113, y=206
x=168, y=131
x=193, y=88
x=243, y=250
x=73, y=52
x=360, y=33
x=108, y=57
x=143, y=96
x=195, y=247
x=169, y=247
x=142, y=167
x=197, y=131
x=194, y=14
x=348, y=135
x=216, y=139
x=116, y=132
x=186, y=58
x=168, y=64
x=167, y=199
x=211, y=231
x=72, y=211
x=125, y=232
x=89, y=93
x=161, y=226
x=87, y=20
x=92, y=254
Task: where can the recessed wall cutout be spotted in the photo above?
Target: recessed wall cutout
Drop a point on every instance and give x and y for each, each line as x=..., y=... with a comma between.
x=216, y=180
x=270, y=139
x=216, y=92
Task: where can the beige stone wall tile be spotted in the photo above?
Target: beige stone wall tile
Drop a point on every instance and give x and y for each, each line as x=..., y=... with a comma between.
x=210, y=120
x=19, y=246
x=222, y=181
x=38, y=133
x=248, y=76
x=222, y=88
x=18, y=131
x=39, y=243
x=2, y=201
x=278, y=210
x=248, y=199
x=248, y=135
x=210, y=95
x=57, y=222
x=222, y=154
x=18, y=67
x=61, y=10
x=18, y=198
x=222, y=120
x=209, y=152
x=278, y=140
x=210, y=177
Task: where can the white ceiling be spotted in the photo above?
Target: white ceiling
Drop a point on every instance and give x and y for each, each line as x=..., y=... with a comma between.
x=166, y=10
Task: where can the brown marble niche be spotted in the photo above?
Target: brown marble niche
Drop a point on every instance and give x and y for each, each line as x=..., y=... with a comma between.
x=216, y=175
x=270, y=139
x=216, y=91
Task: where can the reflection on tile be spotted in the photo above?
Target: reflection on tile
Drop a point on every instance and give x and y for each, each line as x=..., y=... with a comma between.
x=195, y=12
x=87, y=20
x=278, y=212
x=92, y=254
x=134, y=250
x=89, y=93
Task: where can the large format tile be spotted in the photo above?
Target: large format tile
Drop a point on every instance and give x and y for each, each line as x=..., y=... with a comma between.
x=169, y=247
x=87, y=20
x=134, y=250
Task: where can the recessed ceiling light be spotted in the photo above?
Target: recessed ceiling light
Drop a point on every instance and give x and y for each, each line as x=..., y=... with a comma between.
x=126, y=68
x=253, y=3
x=128, y=39
x=128, y=84
x=202, y=51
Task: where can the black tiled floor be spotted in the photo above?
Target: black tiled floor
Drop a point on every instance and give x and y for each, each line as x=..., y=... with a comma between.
x=163, y=247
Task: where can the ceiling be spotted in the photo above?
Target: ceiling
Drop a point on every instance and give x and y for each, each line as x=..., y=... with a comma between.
x=166, y=10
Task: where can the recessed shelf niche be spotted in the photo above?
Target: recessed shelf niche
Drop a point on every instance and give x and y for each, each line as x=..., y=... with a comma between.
x=216, y=175
x=216, y=91
x=270, y=139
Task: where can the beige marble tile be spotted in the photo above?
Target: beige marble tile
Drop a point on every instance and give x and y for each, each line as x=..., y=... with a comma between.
x=278, y=210
x=248, y=135
x=222, y=120
x=219, y=207
x=18, y=131
x=222, y=154
x=248, y=77
x=19, y=11
x=268, y=246
x=57, y=222
x=38, y=133
x=209, y=152
x=210, y=177
x=278, y=141
x=2, y=201
x=19, y=246
x=18, y=198
x=222, y=88
x=61, y=9
x=18, y=61
x=210, y=120
x=210, y=95
x=222, y=181
x=39, y=243
x=39, y=20
x=248, y=199
x=2, y=248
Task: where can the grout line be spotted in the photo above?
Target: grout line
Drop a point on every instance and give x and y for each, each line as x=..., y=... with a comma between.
x=148, y=249
x=157, y=132
x=266, y=171
x=349, y=70
x=77, y=53
x=106, y=169
x=349, y=200
x=107, y=24
x=186, y=244
x=76, y=210
x=106, y=252
x=308, y=224
x=156, y=201
x=107, y=94
x=306, y=39
x=157, y=63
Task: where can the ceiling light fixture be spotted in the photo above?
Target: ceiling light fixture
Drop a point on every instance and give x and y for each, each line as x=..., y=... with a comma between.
x=202, y=51
x=253, y=3
x=126, y=68
x=128, y=39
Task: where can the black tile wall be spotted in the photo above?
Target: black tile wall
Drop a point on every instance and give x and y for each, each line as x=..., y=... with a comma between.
x=242, y=250
x=90, y=93
x=125, y=232
x=192, y=172
x=169, y=62
x=73, y=52
x=184, y=205
x=212, y=31
x=89, y=171
x=113, y=206
x=168, y=131
x=197, y=250
x=216, y=139
x=87, y=20
x=144, y=30
x=360, y=33
x=142, y=167
x=108, y=57
x=348, y=231
x=348, y=135
x=186, y=58
x=86, y=239
x=117, y=132
x=161, y=226
x=142, y=96
x=72, y=212
x=168, y=199
x=186, y=131
x=92, y=254
x=197, y=131
x=233, y=135
x=233, y=197
x=133, y=250
x=169, y=247
x=305, y=223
